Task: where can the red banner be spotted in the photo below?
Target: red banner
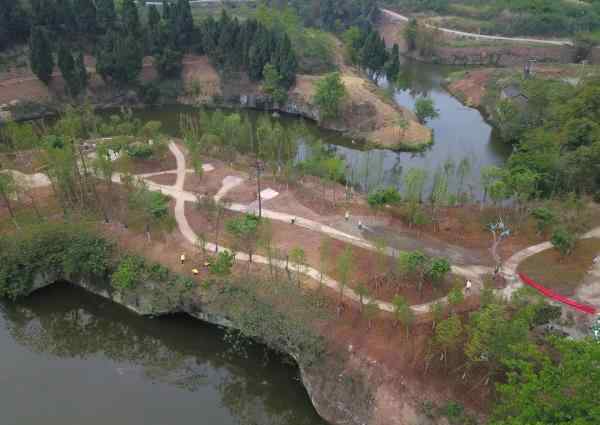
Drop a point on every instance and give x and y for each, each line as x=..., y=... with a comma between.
x=549, y=293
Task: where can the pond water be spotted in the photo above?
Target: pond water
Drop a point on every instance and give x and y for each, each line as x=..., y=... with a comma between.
x=459, y=132
x=70, y=357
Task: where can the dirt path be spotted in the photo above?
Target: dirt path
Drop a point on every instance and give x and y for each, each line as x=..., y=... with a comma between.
x=400, y=17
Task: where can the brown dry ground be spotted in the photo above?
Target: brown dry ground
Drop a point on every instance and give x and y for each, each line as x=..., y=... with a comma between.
x=563, y=274
x=164, y=179
x=471, y=87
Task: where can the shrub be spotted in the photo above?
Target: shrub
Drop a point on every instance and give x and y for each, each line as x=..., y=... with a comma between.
x=221, y=266
x=563, y=240
x=544, y=218
x=139, y=150
x=56, y=251
x=128, y=273
x=384, y=197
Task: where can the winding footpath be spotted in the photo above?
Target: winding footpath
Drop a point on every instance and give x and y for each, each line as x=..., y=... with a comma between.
x=399, y=17
x=181, y=196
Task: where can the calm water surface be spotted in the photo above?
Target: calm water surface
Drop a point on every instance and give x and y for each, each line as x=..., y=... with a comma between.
x=70, y=358
x=459, y=132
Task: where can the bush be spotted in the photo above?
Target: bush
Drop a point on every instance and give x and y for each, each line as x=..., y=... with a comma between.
x=563, y=240
x=56, y=251
x=139, y=150
x=384, y=197
x=544, y=218
x=128, y=273
x=149, y=93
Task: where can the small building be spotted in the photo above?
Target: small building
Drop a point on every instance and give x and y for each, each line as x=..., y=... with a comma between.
x=514, y=93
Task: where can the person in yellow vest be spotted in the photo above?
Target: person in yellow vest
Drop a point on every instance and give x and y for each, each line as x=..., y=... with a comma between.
x=182, y=258
x=195, y=272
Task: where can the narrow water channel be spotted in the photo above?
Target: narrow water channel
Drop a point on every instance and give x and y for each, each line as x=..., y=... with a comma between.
x=69, y=357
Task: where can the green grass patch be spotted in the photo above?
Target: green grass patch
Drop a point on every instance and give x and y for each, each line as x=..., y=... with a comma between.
x=563, y=274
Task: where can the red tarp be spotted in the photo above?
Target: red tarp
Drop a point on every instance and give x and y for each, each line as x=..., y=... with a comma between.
x=557, y=297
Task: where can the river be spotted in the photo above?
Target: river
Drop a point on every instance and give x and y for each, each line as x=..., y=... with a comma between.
x=70, y=357
x=459, y=132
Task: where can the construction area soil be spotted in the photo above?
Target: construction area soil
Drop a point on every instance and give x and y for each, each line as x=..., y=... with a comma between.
x=168, y=179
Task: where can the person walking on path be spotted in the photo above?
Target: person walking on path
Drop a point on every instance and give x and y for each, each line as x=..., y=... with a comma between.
x=182, y=258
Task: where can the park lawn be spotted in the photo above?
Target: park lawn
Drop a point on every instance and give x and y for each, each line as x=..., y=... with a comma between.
x=562, y=274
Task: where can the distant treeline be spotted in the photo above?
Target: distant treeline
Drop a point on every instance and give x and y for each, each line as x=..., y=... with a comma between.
x=119, y=39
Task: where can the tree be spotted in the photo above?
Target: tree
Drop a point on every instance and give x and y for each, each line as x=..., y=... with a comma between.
x=393, y=66
x=544, y=219
x=363, y=293
x=494, y=337
x=410, y=34
x=447, y=335
x=298, y=257
x=130, y=20
x=72, y=70
x=329, y=93
x=245, y=230
x=402, y=312
x=40, y=54
x=325, y=250
x=106, y=16
x=287, y=64
x=563, y=240
x=414, y=265
x=119, y=57
x=438, y=269
x=8, y=189
x=222, y=264
x=85, y=17
x=168, y=63
x=344, y=269
x=455, y=297
x=556, y=387
x=273, y=85
x=425, y=109
x=370, y=311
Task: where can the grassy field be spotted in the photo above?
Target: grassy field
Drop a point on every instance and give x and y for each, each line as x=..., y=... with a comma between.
x=563, y=274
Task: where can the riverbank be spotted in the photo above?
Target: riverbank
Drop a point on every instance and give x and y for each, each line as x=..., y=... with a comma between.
x=366, y=115
x=454, y=48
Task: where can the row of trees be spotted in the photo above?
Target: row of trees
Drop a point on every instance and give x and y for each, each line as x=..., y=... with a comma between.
x=121, y=41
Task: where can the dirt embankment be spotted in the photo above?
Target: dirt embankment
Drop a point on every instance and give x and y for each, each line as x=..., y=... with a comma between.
x=459, y=50
x=365, y=113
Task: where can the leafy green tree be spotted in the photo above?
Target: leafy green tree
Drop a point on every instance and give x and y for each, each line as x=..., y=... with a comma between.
x=392, y=67
x=40, y=54
x=557, y=387
x=563, y=240
x=287, y=64
x=8, y=189
x=298, y=257
x=373, y=54
x=273, y=84
x=128, y=273
x=544, y=219
x=494, y=337
x=370, y=310
x=425, y=109
x=106, y=15
x=414, y=265
x=448, y=335
x=119, y=57
x=353, y=42
x=72, y=70
x=329, y=94
x=85, y=17
x=363, y=293
x=438, y=269
x=245, y=230
x=455, y=297
x=168, y=63
x=344, y=269
x=403, y=313
x=130, y=20
x=222, y=265
x=410, y=34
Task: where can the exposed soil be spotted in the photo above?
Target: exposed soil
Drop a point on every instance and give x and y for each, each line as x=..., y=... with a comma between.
x=168, y=179
x=470, y=88
x=563, y=274
x=141, y=166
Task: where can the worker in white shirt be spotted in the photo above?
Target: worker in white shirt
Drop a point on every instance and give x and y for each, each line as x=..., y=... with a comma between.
x=468, y=286
x=182, y=258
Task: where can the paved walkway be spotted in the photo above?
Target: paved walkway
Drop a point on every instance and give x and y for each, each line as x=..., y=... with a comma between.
x=182, y=196
x=400, y=17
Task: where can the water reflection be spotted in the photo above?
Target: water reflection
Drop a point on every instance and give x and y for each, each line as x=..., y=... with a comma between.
x=64, y=344
x=459, y=132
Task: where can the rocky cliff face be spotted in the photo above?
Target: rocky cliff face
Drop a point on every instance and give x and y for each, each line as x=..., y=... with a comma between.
x=343, y=388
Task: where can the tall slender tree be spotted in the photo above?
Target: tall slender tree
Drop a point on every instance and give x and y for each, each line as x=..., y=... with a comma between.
x=40, y=54
x=106, y=15
x=85, y=17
